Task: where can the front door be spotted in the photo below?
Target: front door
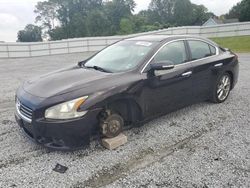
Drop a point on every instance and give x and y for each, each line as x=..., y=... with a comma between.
x=168, y=90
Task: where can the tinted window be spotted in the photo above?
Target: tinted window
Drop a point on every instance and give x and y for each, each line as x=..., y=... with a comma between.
x=199, y=49
x=213, y=50
x=174, y=52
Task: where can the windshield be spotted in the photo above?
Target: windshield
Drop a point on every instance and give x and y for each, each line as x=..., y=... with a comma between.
x=120, y=57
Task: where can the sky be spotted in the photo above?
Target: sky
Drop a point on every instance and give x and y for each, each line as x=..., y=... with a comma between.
x=15, y=14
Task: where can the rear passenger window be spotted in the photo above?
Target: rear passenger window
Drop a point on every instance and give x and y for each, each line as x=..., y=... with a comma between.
x=175, y=52
x=199, y=49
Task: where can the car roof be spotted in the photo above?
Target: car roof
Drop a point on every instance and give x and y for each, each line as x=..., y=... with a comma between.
x=151, y=38
x=161, y=38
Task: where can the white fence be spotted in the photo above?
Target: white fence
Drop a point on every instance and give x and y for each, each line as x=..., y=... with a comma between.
x=15, y=50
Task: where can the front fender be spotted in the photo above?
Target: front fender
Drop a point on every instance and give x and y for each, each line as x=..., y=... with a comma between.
x=100, y=99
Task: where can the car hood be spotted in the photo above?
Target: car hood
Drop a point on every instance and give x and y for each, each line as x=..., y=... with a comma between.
x=64, y=81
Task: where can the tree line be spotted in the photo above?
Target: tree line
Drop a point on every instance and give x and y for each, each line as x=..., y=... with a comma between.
x=63, y=19
x=240, y=11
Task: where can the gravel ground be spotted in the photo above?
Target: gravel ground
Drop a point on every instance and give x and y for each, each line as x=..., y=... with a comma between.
x=204, y=145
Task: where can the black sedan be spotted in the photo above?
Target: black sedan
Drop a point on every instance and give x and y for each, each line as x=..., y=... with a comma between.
x=124, y=85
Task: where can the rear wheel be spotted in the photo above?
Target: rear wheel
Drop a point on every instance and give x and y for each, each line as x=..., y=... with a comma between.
x=111, y=124
x=222, y=89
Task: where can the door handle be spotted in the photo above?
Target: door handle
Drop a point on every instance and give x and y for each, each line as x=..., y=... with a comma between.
x=186, y=74
x=218, y=65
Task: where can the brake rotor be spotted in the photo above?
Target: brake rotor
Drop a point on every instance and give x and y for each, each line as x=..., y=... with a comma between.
x=112, y=125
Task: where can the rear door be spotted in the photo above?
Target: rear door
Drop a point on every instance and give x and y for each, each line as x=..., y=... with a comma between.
x=204, y=60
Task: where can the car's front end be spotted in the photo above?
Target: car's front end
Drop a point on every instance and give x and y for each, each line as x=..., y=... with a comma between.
x=38, y=122
x=65, y=119
x=62, y=109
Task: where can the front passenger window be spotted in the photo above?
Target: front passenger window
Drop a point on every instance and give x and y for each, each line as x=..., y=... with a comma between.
x=175, y=52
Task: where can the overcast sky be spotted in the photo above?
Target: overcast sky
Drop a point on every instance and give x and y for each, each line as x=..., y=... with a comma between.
x=15, y=14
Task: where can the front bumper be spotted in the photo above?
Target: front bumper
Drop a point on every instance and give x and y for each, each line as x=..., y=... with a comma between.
x=61, y=135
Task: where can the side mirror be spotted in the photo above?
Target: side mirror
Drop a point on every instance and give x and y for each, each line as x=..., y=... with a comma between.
x=162, y=65
x=81, y=63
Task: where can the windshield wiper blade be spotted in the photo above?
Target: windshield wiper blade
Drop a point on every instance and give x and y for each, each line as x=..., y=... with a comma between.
x=99, y=68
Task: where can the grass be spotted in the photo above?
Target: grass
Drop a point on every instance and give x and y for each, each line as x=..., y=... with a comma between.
x=239, y=44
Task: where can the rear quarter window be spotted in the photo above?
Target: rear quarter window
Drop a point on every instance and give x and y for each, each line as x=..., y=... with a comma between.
x=213, y=50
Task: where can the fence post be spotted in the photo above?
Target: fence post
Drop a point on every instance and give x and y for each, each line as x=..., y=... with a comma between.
x=29, y=50
x=49, y=48
x=8, y=51
x=88, y=44
x=68, y=46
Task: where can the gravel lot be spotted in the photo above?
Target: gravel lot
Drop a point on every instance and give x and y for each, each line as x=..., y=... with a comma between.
x=204, y=145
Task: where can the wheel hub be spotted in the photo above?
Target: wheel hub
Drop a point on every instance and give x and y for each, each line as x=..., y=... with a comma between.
x=114, y=126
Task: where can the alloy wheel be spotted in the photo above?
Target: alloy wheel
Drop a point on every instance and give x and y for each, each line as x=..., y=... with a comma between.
x=223, y=88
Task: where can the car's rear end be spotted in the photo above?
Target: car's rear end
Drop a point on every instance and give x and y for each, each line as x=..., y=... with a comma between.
x=233, y=67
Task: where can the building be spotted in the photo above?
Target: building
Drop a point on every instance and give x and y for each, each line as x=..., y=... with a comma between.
x=215, y=21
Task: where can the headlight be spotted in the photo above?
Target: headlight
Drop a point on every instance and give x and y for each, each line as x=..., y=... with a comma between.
x=67, y=110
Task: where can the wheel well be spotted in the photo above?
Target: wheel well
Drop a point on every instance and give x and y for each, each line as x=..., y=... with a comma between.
x=232, y=78
x=127, y=108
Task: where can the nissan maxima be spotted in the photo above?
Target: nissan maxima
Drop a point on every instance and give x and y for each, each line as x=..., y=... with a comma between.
x=124, y=85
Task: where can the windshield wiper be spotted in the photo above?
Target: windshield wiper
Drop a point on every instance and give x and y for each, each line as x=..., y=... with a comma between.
x=99, y=69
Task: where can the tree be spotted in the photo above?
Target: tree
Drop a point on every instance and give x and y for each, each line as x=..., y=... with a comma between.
x=72, y=14
x=144, y=21
x=139, y=21
x=240, y=11
x=46, y=14
x=98, y=24
x=62, y=19
x=58, y=33
x=65, y=18
x=200, y=14
x=116, y=10
x=176, y=12
x=31, y=33
x=126, y=26
x=183, y=12
x=162, y=10
x=245, y=11
x=234, y=12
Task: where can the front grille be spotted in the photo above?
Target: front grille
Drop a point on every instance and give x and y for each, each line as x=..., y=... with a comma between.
x=24, y=111
x=27, y=112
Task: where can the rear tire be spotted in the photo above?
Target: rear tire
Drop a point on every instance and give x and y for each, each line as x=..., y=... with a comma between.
x=222, y=88
x=111, y=124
